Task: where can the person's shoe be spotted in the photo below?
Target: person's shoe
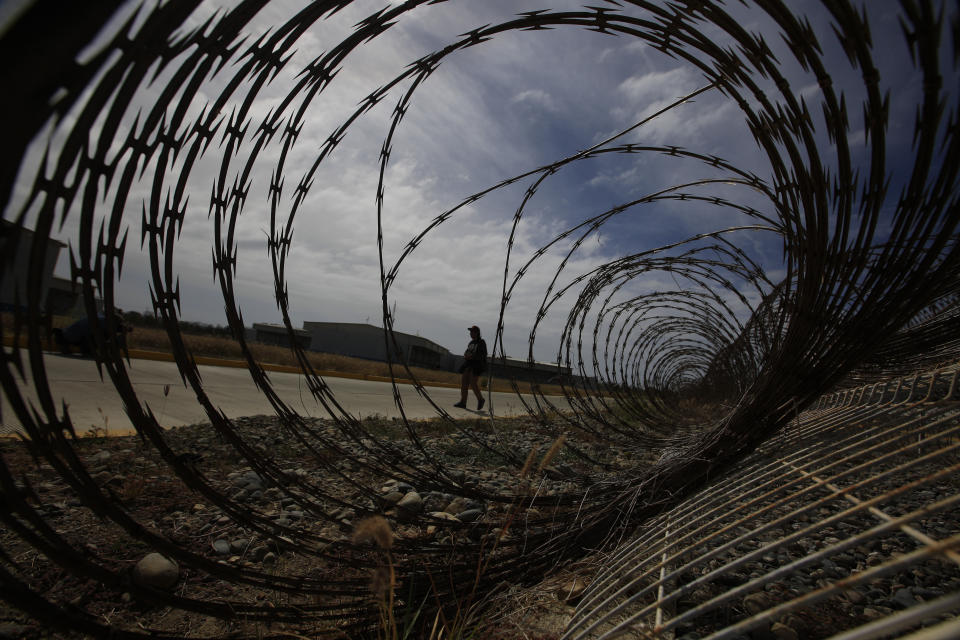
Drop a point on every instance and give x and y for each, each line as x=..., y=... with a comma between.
x=461, y=404
x=480, y=404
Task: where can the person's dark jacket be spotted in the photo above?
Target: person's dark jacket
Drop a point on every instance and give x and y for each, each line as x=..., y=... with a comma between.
x=475, y=357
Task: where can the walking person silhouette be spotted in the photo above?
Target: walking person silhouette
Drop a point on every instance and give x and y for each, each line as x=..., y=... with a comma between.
x=474, y=364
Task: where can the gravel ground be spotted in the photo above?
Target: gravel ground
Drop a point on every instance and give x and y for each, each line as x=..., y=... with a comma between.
x=132, y=471
x=853, y=519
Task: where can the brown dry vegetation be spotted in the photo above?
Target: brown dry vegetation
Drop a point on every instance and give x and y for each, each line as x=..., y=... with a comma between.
x=157, y=340
x=152, y=339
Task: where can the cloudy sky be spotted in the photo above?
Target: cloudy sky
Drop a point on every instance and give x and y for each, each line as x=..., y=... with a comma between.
x=494, y=111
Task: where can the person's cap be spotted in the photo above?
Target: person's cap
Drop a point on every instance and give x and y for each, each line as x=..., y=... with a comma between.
x=473, y=327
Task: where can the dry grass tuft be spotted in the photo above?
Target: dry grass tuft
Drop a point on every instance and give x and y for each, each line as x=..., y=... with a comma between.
x=374, y=529
x=383, y=578
x=551, y=453
x=528, y=464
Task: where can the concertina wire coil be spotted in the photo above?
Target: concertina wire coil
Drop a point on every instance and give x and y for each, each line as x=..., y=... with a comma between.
x=859, y=325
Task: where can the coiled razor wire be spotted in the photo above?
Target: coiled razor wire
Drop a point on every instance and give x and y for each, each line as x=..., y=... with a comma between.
x=698, y=377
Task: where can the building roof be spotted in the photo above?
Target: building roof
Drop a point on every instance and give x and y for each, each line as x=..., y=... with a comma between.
x=529, y=364
x=363, y=326
x=273, y=327
x=7, y=225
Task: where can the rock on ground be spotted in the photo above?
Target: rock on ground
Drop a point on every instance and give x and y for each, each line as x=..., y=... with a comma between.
x=156, y=571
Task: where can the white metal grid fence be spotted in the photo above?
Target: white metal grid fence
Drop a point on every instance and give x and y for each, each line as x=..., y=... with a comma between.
x=847, y=526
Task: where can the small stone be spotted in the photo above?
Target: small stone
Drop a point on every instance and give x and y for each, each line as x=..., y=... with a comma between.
x=269, y=558
x=470, y=515
x=755, y=603
x=239, y=545
x=904, y=599
x=853, y=596
x=434, y=501
x=443, y=515
x=221, y=547
x=99, y=458
x=844, y=560
x=440, y=515
x=411, y=502
x=393, y=497
x=456, y=506
x=783, y=632
x=570, y=591
x=156, y=571
x=257, y=553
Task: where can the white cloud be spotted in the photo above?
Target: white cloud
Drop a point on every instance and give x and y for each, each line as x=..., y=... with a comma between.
x=487, y=113
x=659, y=86
x=536, y=98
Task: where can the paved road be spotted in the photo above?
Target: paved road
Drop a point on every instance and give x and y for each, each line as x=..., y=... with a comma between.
x=93, y=403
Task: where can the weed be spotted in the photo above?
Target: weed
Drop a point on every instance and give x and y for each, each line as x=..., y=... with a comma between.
x=528, y=464
x=166, y=393
x=554, y=448
x=97, y=431
x=383, y=580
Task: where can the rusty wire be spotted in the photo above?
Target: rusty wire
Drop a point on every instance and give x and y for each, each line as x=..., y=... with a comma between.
x=702, y=378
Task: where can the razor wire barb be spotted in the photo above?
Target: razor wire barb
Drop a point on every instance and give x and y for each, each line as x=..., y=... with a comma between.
x=687, y=382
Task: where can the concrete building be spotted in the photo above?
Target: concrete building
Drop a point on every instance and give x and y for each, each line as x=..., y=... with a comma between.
x=367, y=341
x=276, y=334
x=528, y=370
x=360, y=340
x=57, y=294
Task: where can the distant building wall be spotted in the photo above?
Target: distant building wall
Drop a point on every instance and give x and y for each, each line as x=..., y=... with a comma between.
x=367, y=341
x=62, y=297
x=360, y=340
x=15, y=243
x=528, y=370
x=277, y=334
x=517, y=369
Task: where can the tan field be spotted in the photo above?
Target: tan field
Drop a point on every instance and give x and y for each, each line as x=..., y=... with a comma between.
x=151, y=339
